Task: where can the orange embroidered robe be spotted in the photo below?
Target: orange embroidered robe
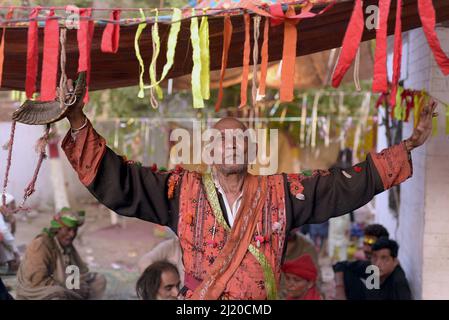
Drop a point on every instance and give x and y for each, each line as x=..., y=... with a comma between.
x=178, y=199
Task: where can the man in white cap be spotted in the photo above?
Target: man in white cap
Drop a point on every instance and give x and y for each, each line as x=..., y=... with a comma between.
x=9, y=254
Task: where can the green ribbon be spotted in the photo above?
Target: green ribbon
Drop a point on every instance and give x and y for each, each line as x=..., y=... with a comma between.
x=205, y=58
x=399, y=110
x=196, y=57
x=138, y=55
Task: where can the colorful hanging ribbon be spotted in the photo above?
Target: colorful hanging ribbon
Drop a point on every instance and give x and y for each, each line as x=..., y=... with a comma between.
x=198, y=101
x=427, y=16
x=2, y=45
x=245, y=71
x=50, y=58
x=156, y=49
x=264, y=62
x=255, y=58
x=380, y=79
x=227, y=34
x=351, y=43
x=397, y=53
x=140, y=28
x=84, y=36
x=171, y=48
x=111, y=34
x=205, y=57
x=288, y=54
x=32, y=54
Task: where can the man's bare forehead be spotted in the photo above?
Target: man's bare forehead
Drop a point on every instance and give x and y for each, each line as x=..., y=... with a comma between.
x=229, y=123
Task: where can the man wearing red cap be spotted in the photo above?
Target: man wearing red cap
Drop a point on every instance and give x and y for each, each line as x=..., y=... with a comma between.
x=300, y=279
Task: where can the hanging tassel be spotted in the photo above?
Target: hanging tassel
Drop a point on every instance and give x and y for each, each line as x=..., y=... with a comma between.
x=245, y=64
x=9, y=145
x=351, y=43
x=288, y=58
x=227, y=34
x=205, y=57
x=397, y=59
x=264, y=62
x=427, y=16
x=32, y=54
x=50, y=60
x=255, y=58
x=140, y=28
x=111, y=34
x=84, y=36
x=198, y=101
x=380, y=79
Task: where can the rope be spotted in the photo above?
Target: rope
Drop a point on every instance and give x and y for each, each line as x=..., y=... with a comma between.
x=40, y=148
x=8, y=146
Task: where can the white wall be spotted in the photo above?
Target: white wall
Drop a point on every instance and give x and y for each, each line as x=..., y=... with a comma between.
x=423, y=225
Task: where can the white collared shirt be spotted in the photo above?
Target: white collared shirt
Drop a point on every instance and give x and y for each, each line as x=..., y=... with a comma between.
x=231, y=212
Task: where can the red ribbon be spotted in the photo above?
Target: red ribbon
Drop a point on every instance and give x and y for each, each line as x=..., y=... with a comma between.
x=51, y=57
x=380, y=78
x=351, y=43
x=397, y=53
x=427, y=15
x=111, y=34
x=32, y=54
x=2, y=45
x=84, y=36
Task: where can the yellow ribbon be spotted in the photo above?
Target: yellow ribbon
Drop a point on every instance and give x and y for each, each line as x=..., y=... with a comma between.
x=205, y=58
x=138, y=55
x=196, y=57
x=156, y=49
x=399, y=113
x=171, y=46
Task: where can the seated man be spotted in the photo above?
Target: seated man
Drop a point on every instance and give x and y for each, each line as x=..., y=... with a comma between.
x=349, y=285
x=43, y=273
x=167, y=250
x=9, y=254
x=393, y=283
x=300, y=279
x=159, y=281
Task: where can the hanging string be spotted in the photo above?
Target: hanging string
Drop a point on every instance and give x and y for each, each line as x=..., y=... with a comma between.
x=63, y=79
x=357, y=71
x=40, y=148
x=8, y=146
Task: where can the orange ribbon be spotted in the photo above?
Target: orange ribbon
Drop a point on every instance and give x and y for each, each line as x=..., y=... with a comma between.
x=227, y=34
x=245, y=72
x=380, y=79
x=32, y=54
x=50, y=59
x=264, y=62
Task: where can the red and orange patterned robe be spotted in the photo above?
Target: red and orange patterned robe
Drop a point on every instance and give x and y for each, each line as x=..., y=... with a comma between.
x=178, y=199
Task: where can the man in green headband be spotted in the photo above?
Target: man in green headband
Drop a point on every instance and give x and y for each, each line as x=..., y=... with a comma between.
x=52, y=267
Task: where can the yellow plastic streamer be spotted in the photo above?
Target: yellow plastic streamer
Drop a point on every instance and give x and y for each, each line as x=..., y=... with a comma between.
x=399, y=113
x=171, y=46
x=205, y=58
x=196, y=57
x=138, y=55
x=156, y=49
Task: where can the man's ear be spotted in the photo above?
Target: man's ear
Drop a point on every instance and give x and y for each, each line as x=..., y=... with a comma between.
x=309, y=284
